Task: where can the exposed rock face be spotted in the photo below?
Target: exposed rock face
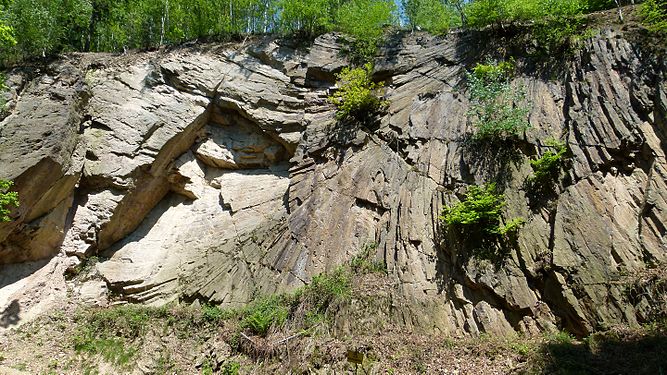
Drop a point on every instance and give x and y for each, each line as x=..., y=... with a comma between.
x=219, y=174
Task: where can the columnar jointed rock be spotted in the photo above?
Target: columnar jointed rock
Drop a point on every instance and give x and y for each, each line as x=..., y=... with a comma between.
x=219, y=174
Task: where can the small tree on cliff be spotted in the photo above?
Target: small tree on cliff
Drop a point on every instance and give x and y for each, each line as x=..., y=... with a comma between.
x=358, y=96
x=477, y=223
x=497, y=109
x=7, y=199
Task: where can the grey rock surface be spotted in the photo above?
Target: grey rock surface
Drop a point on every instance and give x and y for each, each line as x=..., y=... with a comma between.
x=220, y=173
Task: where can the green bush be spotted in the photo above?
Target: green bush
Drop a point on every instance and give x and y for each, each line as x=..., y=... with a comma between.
x=654, y=14
x=480, y=211
x=265, y=313
x=481, y=206
x=357, y=95
x=497, y=108
x=312, y=300
x=560, y=337
x=364, y=21
x=7, y=199
x=547, y=167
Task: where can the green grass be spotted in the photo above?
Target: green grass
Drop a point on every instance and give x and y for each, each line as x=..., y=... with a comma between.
x=308, y=305
x=113, y=350
x=267, y=312
x=617, y=351
x=365, y=262
x=110, y=333
x=230, y=368
x=116, y=333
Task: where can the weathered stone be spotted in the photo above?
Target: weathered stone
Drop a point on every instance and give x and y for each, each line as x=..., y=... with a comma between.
x=218, y=174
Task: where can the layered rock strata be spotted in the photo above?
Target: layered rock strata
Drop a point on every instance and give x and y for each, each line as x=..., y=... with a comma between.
x=220, y=173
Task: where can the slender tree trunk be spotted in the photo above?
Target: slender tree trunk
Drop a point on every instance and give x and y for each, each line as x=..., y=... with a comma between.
x=165, y=15
x=620, y=12
x=459, y=8
x=91, y=30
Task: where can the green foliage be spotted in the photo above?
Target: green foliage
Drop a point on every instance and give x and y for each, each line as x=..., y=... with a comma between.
x=558, y=22
x=34, y=24
x=32, y=28
x=511, y=227
x=481, y=207
x=42, y=27
x=230, y=368
x=494, y=72
x=214, y=314
x=364, y=21
x=478, y=216
x=560, y=337
x=310, y=302
x=357, y=95
x=7, y=199
x=310, y=17
x=365, y=261
x=654, y=14
x=265, y=313
x=325, y=289
x=497, y=108
x=522, y=348
x=482, y=13
x=429, y=15
x=547, y=167
x=7, y=39
x=596, y=5
x=555, y=21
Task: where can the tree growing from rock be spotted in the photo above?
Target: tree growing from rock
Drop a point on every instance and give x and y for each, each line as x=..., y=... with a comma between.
x=7, y=200
x=357, y=96
x=496, y=109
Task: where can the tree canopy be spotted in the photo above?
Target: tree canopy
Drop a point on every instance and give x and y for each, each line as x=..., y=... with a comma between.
x=34, y=28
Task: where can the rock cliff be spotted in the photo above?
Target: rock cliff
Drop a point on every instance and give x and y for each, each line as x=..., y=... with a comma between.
x=219, y=173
